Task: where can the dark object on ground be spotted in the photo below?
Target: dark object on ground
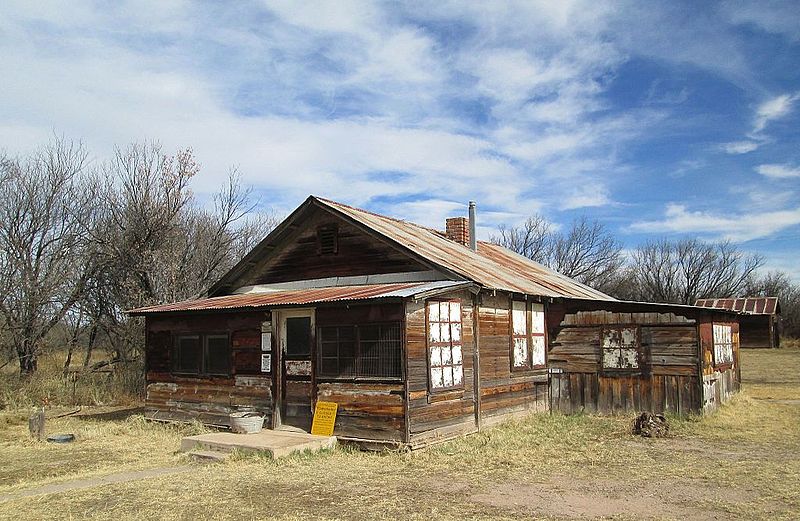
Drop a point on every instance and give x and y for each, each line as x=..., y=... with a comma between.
x=109, y=413
x=61, y=438
x=649, y=425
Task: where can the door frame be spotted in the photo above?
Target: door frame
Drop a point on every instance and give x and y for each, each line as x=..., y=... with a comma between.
x=279, y=317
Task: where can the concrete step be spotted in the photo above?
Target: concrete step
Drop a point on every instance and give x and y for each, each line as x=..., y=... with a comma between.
x=209, y=456
x=277, y=443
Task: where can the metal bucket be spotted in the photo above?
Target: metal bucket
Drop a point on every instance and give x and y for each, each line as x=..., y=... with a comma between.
x=246, y=422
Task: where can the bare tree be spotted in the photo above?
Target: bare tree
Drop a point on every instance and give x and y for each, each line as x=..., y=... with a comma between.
x=587, y=252
x=685, y=270
x=531, y=239
x=45, y=204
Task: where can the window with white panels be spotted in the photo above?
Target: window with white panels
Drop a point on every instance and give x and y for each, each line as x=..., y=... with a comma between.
x=445, y=357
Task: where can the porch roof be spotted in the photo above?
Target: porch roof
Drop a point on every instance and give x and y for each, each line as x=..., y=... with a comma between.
x=306, y=296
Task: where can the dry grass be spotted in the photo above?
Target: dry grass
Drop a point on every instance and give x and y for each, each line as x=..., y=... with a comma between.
x=101, y=447
x=49, y=386
x=741, y=463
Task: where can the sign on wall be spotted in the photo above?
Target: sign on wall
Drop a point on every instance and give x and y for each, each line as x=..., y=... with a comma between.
x=266, y=347
x=266, y=362
x=324, y=418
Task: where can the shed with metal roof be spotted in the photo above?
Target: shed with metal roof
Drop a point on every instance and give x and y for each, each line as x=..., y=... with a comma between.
x=760, y=323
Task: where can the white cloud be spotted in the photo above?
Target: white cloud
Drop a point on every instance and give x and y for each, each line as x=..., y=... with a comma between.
x=740, y=147
x=778, y=171
x=772, y=109
x=740, y=227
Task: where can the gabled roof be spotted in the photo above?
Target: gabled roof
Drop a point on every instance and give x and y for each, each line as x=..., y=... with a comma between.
x=747, y=305
x=306, y=296
x=492, y=266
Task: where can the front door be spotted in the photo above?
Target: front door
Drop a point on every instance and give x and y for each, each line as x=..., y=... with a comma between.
x=296, y=341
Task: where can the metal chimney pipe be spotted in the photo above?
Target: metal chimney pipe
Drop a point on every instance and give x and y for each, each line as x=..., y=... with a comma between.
x=473, y=239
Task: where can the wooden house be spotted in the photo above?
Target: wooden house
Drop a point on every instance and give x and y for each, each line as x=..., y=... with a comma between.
x=418, y=335
x=759, y=320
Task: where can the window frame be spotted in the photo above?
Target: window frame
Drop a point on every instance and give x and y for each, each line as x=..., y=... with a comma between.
x=429, y=344
x=640, y=357
x=203, y=369
x=529, y=336
x=357, y=352
x=726, y=363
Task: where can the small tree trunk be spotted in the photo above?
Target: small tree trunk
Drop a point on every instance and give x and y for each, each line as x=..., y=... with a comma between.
x=90, y=345
x=28, y=362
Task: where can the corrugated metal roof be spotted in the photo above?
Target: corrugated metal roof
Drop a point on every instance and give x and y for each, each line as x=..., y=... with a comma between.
x=491, y=266
x=302, y=296
x=749, y=305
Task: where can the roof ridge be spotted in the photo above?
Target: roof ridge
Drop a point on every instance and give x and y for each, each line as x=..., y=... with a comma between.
x=382, y=216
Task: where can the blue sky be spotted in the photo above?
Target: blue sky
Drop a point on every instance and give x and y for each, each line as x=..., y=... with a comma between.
x=658, y=119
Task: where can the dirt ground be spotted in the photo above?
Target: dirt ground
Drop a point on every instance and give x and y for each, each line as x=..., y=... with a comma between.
x=741, y=463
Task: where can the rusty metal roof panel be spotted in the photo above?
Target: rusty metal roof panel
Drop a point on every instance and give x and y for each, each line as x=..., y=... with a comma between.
x=491, y=266
x=748, y=305
x=301, y=296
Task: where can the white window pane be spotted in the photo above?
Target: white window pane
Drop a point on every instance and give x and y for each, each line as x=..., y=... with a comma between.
x=455, y=312
x=537, y=350
x=520, y=352
x=628, y=358
x=433, y=311
x=611, y=338
x=445, y=333
x=457, y=354
x=518, y=318
x=537, y=318
x=458, y=375
x=447, y=374
x=629, y=336
x=444, y=311
x=436, y=356
x=455, y=329
x=447, y=356
x=611, y=358
x=433, y=332
x=436, y=377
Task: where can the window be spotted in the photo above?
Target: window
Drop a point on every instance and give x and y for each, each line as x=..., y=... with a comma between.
x=328, y=239
x=298, y=337
x=620, y=346
x=202, y=354
x=360, y=351
x=723, y=344
x=444, y=344
x=527, y=336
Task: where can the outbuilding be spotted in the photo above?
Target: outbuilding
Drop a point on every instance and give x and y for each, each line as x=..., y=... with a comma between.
x=418, y=335
x=759, y=321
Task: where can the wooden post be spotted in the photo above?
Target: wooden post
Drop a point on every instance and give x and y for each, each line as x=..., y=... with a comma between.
x=36, y=424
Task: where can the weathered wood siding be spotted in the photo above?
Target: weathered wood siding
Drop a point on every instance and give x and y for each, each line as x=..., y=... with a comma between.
x=720, y=382
x=432, y=416
x=208, y=399
x=368, y=409
x=298, y=256
x=666, y=381
x=757, y=331
x=504, y=393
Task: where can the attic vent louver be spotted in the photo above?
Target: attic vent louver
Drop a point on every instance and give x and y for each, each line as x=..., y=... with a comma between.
x=328, y=239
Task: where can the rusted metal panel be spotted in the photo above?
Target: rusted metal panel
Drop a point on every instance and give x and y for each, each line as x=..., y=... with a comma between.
x=748, y=305
x=492, y=266
x=298, y=297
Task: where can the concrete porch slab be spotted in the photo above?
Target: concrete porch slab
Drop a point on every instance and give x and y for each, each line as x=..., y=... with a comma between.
x=277, y=443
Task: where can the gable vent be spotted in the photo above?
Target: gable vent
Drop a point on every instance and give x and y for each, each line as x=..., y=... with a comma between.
x=328, y=240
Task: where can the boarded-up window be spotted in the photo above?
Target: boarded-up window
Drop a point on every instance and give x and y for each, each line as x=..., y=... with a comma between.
x=527, y=336
x=202, y=354
x=723, y=344
x=445, y=361
x=620, y=348
x=360, y=351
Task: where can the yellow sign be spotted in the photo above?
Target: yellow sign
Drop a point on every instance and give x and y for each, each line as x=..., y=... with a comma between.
x=324, y=418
